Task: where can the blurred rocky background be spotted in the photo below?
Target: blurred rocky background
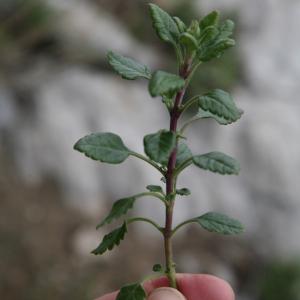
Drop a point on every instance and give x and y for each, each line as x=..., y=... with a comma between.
x=56, y=86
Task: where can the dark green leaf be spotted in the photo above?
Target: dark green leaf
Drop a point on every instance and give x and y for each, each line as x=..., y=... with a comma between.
x=154, y=188
x=207, y=115
x=214, y=39
x=163, y=83
x=219, y=223
x=119, y=208
x=157, y=268
x=158, y=146
x=217, y=162
x=221, y=106
x=105, y=147
x=127, y=67
x=183, y=153
x=111, y=240
x=212, y=19
x=164, y=25
x=180, y=24
x=188, y=40
x=132, y=292
x=183, y=192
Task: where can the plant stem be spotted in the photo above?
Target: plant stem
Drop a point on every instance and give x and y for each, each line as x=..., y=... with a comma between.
x=170, y=183
x=140, y=219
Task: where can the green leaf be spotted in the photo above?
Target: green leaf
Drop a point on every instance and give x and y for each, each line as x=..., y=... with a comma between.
x=212, y=19
x=164, y=25
x=188, y=40
x=158, y=146
x=111, y=240
x=207, y=115
x=119, y=208
x=214, y=39
x=217, y=162
x=180, y=24
x=183, y=192
x=154, y=188
x=215, y=222
x=157, y=268
x=132, y=292
x=183, y=153
x=219, y=105
x=105, y=147
x=163, y=83
x=127, y=67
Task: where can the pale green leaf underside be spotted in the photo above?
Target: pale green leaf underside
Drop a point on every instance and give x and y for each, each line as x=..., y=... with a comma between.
x=163, y=83
x=132, y=292
x=111, y=240
x=127, y=67
x=164, y=25
x=183, y=153
x=219, y=105
x=217, y=162
x=219, y=223
x=158, y=146
x=105, y=147
x=119, y=208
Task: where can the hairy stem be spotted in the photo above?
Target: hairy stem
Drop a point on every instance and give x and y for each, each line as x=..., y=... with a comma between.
x=170, y=183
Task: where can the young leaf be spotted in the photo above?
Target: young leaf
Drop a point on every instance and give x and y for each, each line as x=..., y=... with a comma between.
x=219, y=223
x=157, y=268
x=119, y=208
x=110, y=240
x=217, y=162
x=164, y=25
x=180, y=24
x=183, y=153
x=212, y=19
x=105, y=147
x=154, y=188
x=158, y=146
x=163, y=83
x=132, y=292
x=183, y=192
x=127, y=67
x=214, y=40
x=221, y=105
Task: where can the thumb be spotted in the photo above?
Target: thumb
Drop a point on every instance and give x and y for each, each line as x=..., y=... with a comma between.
x=166, y=293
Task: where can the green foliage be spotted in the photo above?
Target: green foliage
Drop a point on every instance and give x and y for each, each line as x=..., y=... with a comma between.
x=219, y=223
x=154, y=188
x=132, y=292
x=220, y=106
x=158, y=146
x=111, y=240
x=105, y=147
x=164, y=25
x=183, y=192
x=165, y=84
x=183, y=153
x=217, y=162
x=127, y=67
x=119, y=208
x=165, y=150
x=157, y=268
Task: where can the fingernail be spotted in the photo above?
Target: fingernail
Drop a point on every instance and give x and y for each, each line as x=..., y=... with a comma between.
x=166, y=293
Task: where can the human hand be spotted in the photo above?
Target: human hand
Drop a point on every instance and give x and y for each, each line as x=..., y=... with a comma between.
x=191, y=286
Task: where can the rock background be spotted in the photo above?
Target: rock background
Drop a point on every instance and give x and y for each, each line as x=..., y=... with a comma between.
x=55, y=87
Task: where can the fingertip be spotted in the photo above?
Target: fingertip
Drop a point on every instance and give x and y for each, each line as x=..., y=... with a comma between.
x=166, y=293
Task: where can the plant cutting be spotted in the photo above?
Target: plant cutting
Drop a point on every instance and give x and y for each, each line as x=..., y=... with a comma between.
x=167, y=150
